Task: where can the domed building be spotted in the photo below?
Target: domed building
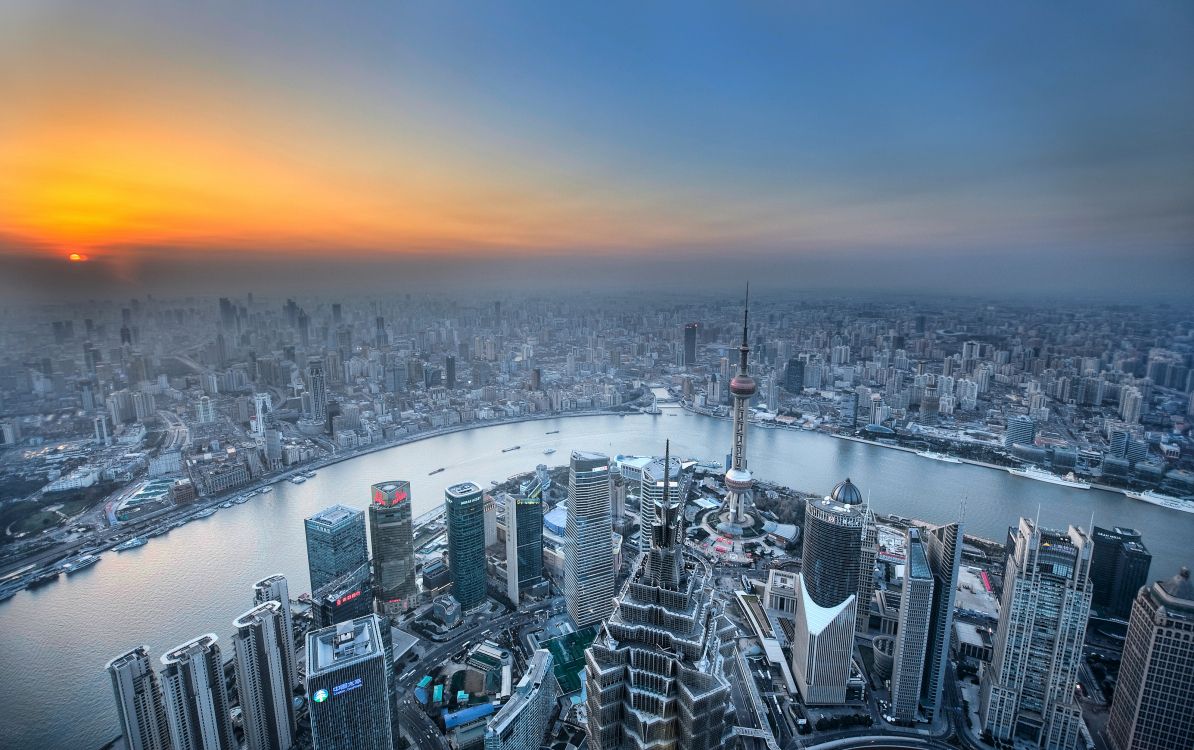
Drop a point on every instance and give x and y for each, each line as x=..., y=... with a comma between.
x=833, y=592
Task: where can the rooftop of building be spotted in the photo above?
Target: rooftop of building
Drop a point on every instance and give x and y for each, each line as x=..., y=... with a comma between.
x=537, y=670
x=257, y=613
x=1179, y=587
x=463, y=490
x=343, y=643
x=333, y=516
x=847, y=493
x=917, y=561
x=133, y=654
x=590, y=461
x=183, y=651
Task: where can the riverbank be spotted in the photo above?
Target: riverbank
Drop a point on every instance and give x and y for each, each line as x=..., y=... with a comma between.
x=971, y=461
x=35, y=562
x=336, y=458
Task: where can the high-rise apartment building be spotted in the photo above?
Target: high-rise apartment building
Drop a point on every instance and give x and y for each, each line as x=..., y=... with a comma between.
x=392, y=535
x=274, y=589
x=464, y=506
x=912, y=639
x=139, y=701
x=205, y=411
x=349, y=686
x=335, y=544
x=588, y=546
x=654, y=676
x=265, y=677
x=651, y=487
x=524, y=544
x=522, y=722
x=690, y=343
x=1118, y=568
x=1028, y=691
x=196, y=696
x=1151, y=707
x=835, y=582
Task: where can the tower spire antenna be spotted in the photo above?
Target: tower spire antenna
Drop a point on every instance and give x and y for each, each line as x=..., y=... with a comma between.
x=745, y=314
x=667, y=469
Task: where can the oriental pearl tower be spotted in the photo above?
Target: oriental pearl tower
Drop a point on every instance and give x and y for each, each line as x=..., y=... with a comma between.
x=738, y=480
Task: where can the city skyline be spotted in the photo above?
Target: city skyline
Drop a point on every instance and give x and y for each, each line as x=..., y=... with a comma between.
x=626, y=376
x=167, y=147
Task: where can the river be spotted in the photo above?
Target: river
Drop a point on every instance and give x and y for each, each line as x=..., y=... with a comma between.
x=55, y=641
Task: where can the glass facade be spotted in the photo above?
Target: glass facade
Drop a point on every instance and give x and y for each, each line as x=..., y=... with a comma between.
x=335, y=544
x=465, y=513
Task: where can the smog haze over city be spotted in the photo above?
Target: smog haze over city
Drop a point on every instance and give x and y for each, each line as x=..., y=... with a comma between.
x=799, y=376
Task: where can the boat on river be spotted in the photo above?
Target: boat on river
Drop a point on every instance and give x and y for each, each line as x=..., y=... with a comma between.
x=1033, y=472
x=511, y=448
x=79, y=563
x=133, y=543
x=1165, y=501
x=942, y=457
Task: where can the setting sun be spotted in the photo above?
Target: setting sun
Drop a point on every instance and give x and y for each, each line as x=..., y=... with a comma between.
x=76, y=257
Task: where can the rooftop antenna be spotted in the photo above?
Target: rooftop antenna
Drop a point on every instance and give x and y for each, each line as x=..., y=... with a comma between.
x=962, y=507
x=744, y=347
x=667, y=469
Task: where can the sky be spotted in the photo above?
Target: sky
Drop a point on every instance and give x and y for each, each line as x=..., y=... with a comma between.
x=1027, y=147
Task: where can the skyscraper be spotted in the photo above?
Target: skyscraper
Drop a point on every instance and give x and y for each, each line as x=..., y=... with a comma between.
x=349, y=684
x=345, y=598
x=943, y=547
x=196, y=697
x=262, y=406
x=465, y=513
x=265, y=677
x=522, y=722
x=1028, y=691
x=335, y=544
x=836, y=580
x=139, y=701
x=1151, y=708
x=392, y=537
x=1118, y=568
x=690, y=343
x=524, y=544
x=794, y=376
x=588, y=541
x=319, y=389
x=912, y=639
x=274, y=589
x=739, y=482
x=651, y=489
x=654, y=676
